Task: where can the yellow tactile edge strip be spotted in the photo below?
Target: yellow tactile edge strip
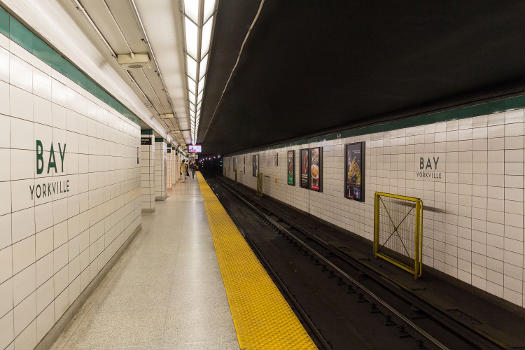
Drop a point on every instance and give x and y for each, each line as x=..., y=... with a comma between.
x=262, y=317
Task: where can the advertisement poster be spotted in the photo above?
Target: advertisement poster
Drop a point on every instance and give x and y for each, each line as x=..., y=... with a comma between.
x=255, y=164
x=316, y=168
x=234, y=164
x=276, y=159
x=291, y=167
x=355, y=171
x=305, y=167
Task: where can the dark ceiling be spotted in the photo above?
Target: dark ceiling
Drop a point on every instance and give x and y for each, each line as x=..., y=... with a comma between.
x=313, y=66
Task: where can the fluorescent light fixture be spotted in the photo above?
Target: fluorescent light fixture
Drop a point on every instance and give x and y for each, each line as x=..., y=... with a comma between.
x=192, y=37
x=204, y=66
x=198, y=24
x=209, y=6
x=201, y=84
x=191, y=85
x=191, y=9
x=191, y=65
x=206, y=37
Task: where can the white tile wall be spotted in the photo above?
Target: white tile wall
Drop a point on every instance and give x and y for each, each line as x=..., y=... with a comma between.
x=476, y=235
x=147, y=174
x=160, y=170
x=169, y=163
x=53, y=244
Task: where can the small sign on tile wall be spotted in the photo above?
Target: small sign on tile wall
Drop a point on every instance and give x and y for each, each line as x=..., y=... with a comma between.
x=145, y=141
x=429, y=167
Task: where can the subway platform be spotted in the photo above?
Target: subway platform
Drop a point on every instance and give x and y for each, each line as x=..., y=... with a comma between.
x=188, y=280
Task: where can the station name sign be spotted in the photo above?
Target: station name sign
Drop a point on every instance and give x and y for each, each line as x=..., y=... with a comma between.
x=429, y=168
x=49, y=164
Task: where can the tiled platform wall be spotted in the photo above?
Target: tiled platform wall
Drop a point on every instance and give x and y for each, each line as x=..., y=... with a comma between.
x=63, y=214
x=160, y=169
x=147, y=173
x=169, y=172
x=478, y=237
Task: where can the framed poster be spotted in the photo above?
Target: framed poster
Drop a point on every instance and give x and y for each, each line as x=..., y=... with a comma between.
x=316, y=169
x=276, y=159
x=255, y=164
x=355, y=171
x=244, y=165
x=234, y=164
x=305, y=167
x=290, y=160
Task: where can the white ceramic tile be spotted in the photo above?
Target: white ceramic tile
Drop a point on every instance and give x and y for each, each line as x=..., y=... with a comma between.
x=45, y=321
x=5, y=230
x=61, y=304
x=60, y=257
x=44, y=242
x=22, y=134
x=21, y=73
x=6, y=296
x=5, y=100
x=21, y=103
x=23, y=224
x=44, y=295
x=41, y=84
x=42, y=111
x=6, y=329
x=24, y=283
x=23, y=254
x=22, y=167
x=25, y=312
x=27, y=338
x=44, y=269
x=4, y=65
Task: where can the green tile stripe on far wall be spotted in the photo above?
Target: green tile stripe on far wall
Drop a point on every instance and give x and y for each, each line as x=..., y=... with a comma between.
x=25, y=37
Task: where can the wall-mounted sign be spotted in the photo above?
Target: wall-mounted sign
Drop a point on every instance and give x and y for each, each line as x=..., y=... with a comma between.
x=145, y=141
x=429, y=168
x=290, y=160
x=194, y=148
x=316, y=169
x=355, y=171
x=53, y=163
x=169, y=150
x=305, y=167
x=255, y=164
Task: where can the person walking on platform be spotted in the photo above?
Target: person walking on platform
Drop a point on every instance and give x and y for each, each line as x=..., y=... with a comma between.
x=183, y=170
x=193, y=168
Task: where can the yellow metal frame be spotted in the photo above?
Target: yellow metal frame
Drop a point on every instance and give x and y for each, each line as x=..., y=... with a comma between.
x=417, y=269
x=260, y=184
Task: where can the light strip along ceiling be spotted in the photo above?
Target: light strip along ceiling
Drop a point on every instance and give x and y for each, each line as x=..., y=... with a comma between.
x=199, y=18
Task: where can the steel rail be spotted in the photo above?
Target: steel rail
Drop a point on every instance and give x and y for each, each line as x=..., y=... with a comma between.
x=342, y=273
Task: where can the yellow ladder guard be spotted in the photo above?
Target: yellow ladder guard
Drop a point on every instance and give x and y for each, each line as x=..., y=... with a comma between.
x=260, y=184
x=398, y=231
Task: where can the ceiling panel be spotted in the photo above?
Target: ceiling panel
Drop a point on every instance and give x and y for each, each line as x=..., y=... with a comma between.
x=313, y=66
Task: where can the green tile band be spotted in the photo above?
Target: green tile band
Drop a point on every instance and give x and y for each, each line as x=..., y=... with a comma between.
x=159, y=139
x=25, y=37
x=476, y=110
x=146, y=132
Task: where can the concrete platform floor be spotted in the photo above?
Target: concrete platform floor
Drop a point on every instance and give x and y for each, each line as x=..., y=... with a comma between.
x=165, y=291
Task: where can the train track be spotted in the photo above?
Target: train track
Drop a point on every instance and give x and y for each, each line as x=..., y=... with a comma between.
x=395, y=308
